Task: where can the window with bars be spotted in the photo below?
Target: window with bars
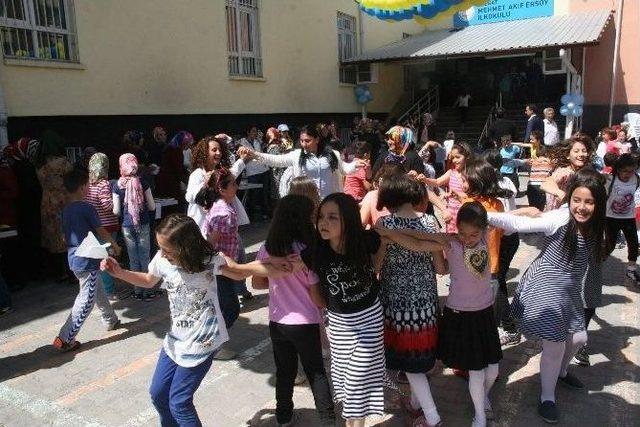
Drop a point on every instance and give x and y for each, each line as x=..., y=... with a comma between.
x=347, y=47
x=38, y=29
x=243, y=38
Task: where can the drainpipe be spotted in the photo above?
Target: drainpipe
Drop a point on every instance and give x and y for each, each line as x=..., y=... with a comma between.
x=4, y=116
x=361, y=49
x=616, y=49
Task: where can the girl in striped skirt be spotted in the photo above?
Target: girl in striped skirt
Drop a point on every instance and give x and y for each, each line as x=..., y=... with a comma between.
x=343, y=259
x=548, y=303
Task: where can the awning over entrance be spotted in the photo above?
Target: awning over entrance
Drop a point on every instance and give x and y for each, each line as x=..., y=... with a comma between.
x=579, y=29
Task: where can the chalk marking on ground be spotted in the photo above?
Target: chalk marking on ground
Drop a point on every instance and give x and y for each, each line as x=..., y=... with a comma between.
x=224, y=369
x=48, y=412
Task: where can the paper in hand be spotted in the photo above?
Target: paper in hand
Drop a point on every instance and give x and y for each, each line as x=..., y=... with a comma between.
x=91, y=248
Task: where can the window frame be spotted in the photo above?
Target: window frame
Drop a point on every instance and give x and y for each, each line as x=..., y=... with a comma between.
x=347, y=74
x=373, y=73
x=545, y=58
x=243, y=63
x=35, y=33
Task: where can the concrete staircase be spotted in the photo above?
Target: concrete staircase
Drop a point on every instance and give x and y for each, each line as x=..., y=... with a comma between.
x=449, y=119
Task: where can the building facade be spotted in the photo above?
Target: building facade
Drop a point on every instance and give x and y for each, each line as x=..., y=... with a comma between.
x=92, y=69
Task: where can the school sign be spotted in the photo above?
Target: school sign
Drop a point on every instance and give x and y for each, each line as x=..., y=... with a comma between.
x=503, y=10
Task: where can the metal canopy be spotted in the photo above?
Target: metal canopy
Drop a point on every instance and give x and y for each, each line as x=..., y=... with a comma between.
x=578, y=29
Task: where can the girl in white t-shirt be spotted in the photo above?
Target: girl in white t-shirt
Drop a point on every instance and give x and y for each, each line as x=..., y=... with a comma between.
x=187, y=265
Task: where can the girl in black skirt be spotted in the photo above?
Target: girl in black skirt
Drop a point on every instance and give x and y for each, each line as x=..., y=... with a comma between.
x=468, y=336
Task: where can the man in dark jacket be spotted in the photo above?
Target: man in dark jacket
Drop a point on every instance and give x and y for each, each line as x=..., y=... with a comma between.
x=501, y=127
x=534, y=122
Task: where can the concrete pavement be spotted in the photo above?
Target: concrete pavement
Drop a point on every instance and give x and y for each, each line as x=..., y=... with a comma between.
x=106, y=382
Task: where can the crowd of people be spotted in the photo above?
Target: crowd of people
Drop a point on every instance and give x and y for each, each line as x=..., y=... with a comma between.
x=358, y=232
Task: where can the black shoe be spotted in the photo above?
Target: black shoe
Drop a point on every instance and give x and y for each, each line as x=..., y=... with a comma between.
x=548, y=412
x=247, y=295
x=582, y=357
x=571, y=381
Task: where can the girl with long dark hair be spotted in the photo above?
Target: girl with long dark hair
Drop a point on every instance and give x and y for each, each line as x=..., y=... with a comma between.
x=548, y=301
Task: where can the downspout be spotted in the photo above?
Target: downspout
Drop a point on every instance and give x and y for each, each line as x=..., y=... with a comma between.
x=360, y=50
x=4, y=116
x=614, y=71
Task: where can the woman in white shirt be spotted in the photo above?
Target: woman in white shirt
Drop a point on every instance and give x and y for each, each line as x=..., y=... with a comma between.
x=315, y=159
x=209, y=154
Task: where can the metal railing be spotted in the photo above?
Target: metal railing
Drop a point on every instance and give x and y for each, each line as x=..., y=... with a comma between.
x=427, y=103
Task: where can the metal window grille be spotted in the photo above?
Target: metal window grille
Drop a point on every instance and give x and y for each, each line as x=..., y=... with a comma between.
x=243, y=38
x=347, y=47
x=38, y=29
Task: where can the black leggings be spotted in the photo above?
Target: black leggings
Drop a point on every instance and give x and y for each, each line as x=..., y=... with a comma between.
x=630, y=231
x=588, y=315
x=508, y=248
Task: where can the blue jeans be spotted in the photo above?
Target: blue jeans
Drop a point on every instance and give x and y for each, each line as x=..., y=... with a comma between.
x=172, y=389
x=137, y=240
x=228, y=300
x=5, y=295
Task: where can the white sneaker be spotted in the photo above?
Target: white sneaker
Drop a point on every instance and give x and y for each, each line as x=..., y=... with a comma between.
x=509, y=338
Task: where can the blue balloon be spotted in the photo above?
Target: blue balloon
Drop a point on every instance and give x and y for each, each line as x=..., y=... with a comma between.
x=362, y=99
x=578, y=110
x=566, y=98
x=571, y=105
x=578, y=99
x=564, y=110
x=367, y=93
x=359, y=90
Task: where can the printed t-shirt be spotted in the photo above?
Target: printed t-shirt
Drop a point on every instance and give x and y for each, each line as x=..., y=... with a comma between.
x=346, y=288
x=470, y=288
x=621, y=201
x=289, y=300
x=197, y=325
x=494, y=234
x=78, y=219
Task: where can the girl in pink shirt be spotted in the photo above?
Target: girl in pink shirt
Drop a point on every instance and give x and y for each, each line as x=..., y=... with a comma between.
x=293, y=317
x=468, y=335
x=369, y=213
x=357, y=184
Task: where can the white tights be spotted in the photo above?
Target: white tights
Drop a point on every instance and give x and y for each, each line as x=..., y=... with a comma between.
x=555, y=361
x=480, y=383
x=421, y=397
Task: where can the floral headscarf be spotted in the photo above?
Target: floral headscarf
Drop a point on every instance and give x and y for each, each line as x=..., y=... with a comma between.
x=98, y=167
x=156, y=131
x=182, y=140
x=130, y=183
x=402, y=136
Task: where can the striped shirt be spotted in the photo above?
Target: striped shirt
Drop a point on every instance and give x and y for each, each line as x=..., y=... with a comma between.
x=99, y=196
x=540, y=170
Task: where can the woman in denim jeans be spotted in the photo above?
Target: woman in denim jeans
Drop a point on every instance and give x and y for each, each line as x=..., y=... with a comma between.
x=133, y=201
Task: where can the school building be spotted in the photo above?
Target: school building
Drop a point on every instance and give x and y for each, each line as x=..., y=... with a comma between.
x=91, y=70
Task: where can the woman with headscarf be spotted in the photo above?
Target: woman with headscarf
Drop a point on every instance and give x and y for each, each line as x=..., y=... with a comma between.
x=99, y=196
x=156, y=145
x=133, y=202
x=400, y=150
x=52, y=166
x=171, y=179
x=21, y=156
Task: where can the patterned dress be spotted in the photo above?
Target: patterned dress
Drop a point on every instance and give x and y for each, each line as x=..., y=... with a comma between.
x=453, y=203
x=54, y=197
x=409, y=297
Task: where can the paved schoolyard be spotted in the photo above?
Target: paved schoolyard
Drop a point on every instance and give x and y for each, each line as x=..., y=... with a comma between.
x=105, y=383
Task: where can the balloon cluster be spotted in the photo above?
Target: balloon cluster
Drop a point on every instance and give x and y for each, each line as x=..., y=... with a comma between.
x=572, y=104
x=363, y=94
x=424, y=11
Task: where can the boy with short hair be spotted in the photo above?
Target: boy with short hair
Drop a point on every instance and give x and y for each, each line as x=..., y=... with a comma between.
x=78, y=219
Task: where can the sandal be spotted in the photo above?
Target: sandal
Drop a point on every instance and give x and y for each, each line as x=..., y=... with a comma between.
x=406, y=404
x=421, y=421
